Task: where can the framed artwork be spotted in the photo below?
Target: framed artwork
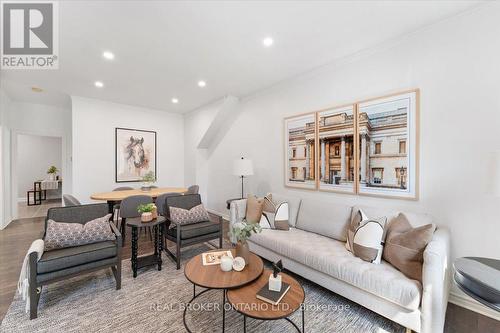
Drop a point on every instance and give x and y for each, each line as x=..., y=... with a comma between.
x=300, y=151
x=135, y=154
x=337, y=146
x=388, y=146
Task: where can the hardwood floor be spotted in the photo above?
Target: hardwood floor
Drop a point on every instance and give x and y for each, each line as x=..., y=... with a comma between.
x=17, y=237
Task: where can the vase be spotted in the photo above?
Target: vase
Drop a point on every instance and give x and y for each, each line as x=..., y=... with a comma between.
x=52, y=176
x=146, y=217
x=243, y=251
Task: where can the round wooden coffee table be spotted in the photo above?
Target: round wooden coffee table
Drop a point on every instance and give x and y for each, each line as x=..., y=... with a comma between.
x=244, y=301
x=212, y=277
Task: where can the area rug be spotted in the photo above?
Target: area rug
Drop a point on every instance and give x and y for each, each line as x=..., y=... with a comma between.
x=154, y=302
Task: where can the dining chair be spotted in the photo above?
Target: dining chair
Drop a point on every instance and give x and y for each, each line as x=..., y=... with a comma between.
x=193, y=189
x=70, y=200
x=116, y=207
x=128, y=209
x=160, y=201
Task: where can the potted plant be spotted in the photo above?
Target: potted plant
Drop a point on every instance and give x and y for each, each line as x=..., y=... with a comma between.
x=241, y=232
x=148, y=180
x=148, y=212
x=52, y=172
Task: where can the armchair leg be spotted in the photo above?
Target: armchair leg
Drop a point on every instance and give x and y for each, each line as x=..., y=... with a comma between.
x=178, y=247
x=34, y=298
x=117, y=272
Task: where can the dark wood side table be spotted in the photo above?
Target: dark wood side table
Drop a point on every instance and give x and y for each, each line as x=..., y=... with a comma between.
x=152, y=259
x=245, y=302
x=480, y=279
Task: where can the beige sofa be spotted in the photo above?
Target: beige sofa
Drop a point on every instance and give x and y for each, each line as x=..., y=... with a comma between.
x=314, y=248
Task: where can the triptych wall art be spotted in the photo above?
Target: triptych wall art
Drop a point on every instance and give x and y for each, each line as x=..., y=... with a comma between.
x=368, y=148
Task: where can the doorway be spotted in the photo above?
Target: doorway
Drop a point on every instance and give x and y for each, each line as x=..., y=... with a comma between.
x=36, y=174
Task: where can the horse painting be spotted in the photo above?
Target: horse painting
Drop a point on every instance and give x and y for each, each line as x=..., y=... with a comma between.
x=135, y=154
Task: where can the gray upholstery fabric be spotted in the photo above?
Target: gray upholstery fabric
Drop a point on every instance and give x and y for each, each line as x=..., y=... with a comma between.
x=76, y=214
x=186, y=201
x=324, y=218
x=56, y=260
x=195, y=230
x=70, y=200
x=41, y=278
x=160, y=201
x=123, y=188
x=193, y=189
x=128, y=207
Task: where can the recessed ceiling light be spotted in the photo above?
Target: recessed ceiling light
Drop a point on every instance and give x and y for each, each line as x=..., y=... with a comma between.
x=36, y=89
x=202, y=84
x=268, y=41
x=108, y=55
x=175, y=100
x=99, y=84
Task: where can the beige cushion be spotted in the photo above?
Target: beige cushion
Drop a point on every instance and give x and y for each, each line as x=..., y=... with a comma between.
x=330, y=257
x=254, y=209
x=405, y=245
x=365, y=236
x=325, y=218
x=294, y=205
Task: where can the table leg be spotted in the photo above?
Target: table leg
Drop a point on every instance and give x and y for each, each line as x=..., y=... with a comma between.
x=111, y=205
x=134, y=251
x=303, y=318
x=223, y=310
x=244, y=324
x=158, y=247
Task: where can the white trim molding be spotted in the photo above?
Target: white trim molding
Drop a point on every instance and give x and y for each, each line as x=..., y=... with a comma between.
x=461, y=299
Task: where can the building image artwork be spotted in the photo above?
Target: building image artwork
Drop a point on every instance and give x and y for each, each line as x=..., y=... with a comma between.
x=383, y=141
x=301, y=151
x=336, y=149
x=369, y=147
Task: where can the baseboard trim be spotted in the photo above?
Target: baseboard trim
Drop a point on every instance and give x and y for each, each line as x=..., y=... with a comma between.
x=469, y=303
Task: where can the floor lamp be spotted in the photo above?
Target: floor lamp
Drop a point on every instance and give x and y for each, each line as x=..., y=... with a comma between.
x=242, y=168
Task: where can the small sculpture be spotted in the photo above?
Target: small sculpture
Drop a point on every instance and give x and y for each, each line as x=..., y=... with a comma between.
x=275, y=278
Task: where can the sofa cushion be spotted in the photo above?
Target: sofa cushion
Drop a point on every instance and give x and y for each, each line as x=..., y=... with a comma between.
x=294, y=205
x=197, y=229
x=73, y=256
x=324, y=218
x=330, y=257
x=365, y=237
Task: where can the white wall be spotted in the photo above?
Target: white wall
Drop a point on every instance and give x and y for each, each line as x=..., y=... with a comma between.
x=94, y=124
x=5, y=213
x=455, y=64
x=35, y=154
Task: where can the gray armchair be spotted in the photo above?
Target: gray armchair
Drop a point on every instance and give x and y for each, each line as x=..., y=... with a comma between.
x=188, y=234
x=61, y=264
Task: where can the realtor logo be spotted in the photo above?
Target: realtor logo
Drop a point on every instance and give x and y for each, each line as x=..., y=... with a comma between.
x=30, y=35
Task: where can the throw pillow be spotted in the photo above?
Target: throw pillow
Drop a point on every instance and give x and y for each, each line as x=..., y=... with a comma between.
x=255, y=207
x=365, y=237
x=405, y=245
x=61, y=234
x=274, y=215
x=188, y=216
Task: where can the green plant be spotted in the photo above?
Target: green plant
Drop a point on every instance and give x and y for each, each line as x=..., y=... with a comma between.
x=149, y=177
x=146, y=208
x=52, y=169
x=242, y=231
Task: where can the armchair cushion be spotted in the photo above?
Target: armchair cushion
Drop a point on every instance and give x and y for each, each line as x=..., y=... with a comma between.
x=59, y=259
x=195, y=230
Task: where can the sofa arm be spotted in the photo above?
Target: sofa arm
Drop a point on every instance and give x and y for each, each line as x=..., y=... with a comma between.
x=435, y=282
x=237, y=211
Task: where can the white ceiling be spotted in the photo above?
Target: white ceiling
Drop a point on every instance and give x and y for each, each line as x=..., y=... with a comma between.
x=163, y=48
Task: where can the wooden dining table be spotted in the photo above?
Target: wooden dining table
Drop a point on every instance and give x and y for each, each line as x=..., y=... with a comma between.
x=115, y=197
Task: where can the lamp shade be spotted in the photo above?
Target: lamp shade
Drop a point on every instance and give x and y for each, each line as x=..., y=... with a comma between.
x=242, y=167
x=495, y=173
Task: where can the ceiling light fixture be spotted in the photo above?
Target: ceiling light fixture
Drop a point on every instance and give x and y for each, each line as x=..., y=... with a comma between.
x=108, y=55
x=99, y=84
x=175, y=100
x=202, y=84
x=267, y=42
